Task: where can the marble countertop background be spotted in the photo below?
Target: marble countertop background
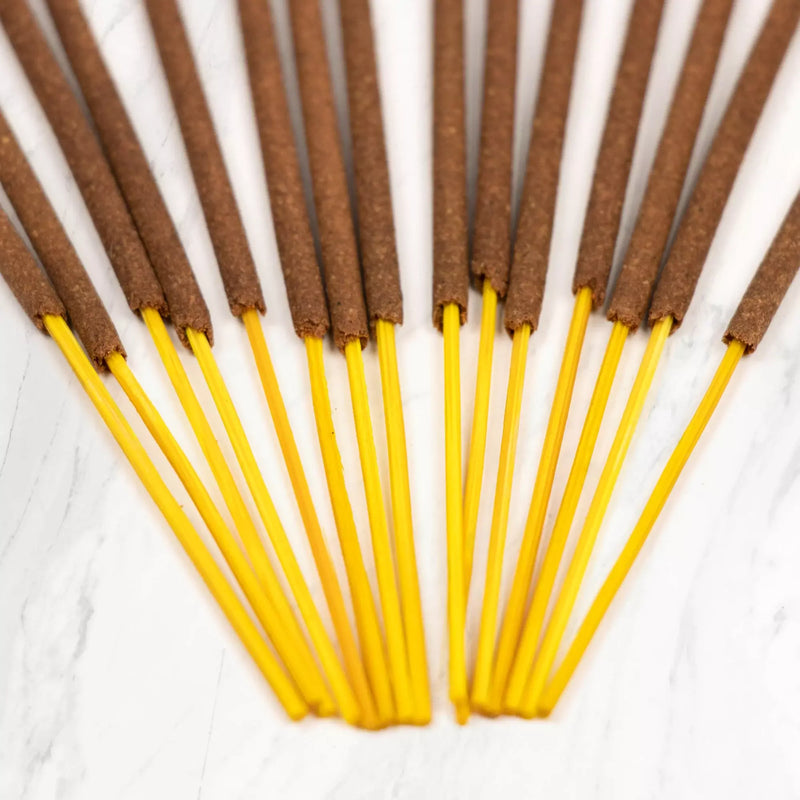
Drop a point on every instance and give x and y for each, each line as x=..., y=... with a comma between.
x=118, y=676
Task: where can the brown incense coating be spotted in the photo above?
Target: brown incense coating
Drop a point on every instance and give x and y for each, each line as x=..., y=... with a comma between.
x=373, y=195
x=537, y=210
x=59, y=259
x=603, y=214
x=23, y=276
x=696, y=232
x=649, y=240
x=298, y=257
x=491, y=240
x=769, y=284
x=329, y=179
x=224, y=224
x=450, y=259
x=186, y=305
x=85, y=158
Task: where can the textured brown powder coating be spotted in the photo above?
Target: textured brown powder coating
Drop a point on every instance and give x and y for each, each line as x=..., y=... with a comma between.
x=614, y=160
x=59, y=259
x=23, y=276
x=186, y=305
x=769, y=284
x=491, y=240
x=331, y=199
x=208, y=167
x=450, y=260
x=649, y=240
x=289, y=214
x=532, y=244
x=373, y=194
x=85, y=158
x=696, y=232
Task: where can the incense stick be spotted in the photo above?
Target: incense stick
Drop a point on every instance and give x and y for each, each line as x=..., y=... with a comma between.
x=491, y=241
x=456, y=603
x=628, y=305
x=745, y=331
x=450, y=294
x=524, y=302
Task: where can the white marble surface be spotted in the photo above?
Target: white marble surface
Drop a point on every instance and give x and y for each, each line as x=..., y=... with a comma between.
x=119, y=679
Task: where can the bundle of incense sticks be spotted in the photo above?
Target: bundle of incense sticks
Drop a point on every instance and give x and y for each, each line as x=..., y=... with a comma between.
x=672, y=296
x=374, y=673
x=525, y=297
x=39, y=300
x=602, y=218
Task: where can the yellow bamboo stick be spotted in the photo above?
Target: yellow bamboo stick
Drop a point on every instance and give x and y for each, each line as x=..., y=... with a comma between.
x=248, y=534
x=297, y=659
x=480, y=421
x=381, y=543
x=403, y=524
x=566, y=512
x=456, y=597
x=551, y=448
x=594, y=519
x=633, y=546
x=502, y=500
x=342, y=691
x=367, y=621
x=287, y=694
x=322, y=557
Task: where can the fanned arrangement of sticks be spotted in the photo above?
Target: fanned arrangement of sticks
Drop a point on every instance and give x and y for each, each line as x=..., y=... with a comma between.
x=373, y=671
